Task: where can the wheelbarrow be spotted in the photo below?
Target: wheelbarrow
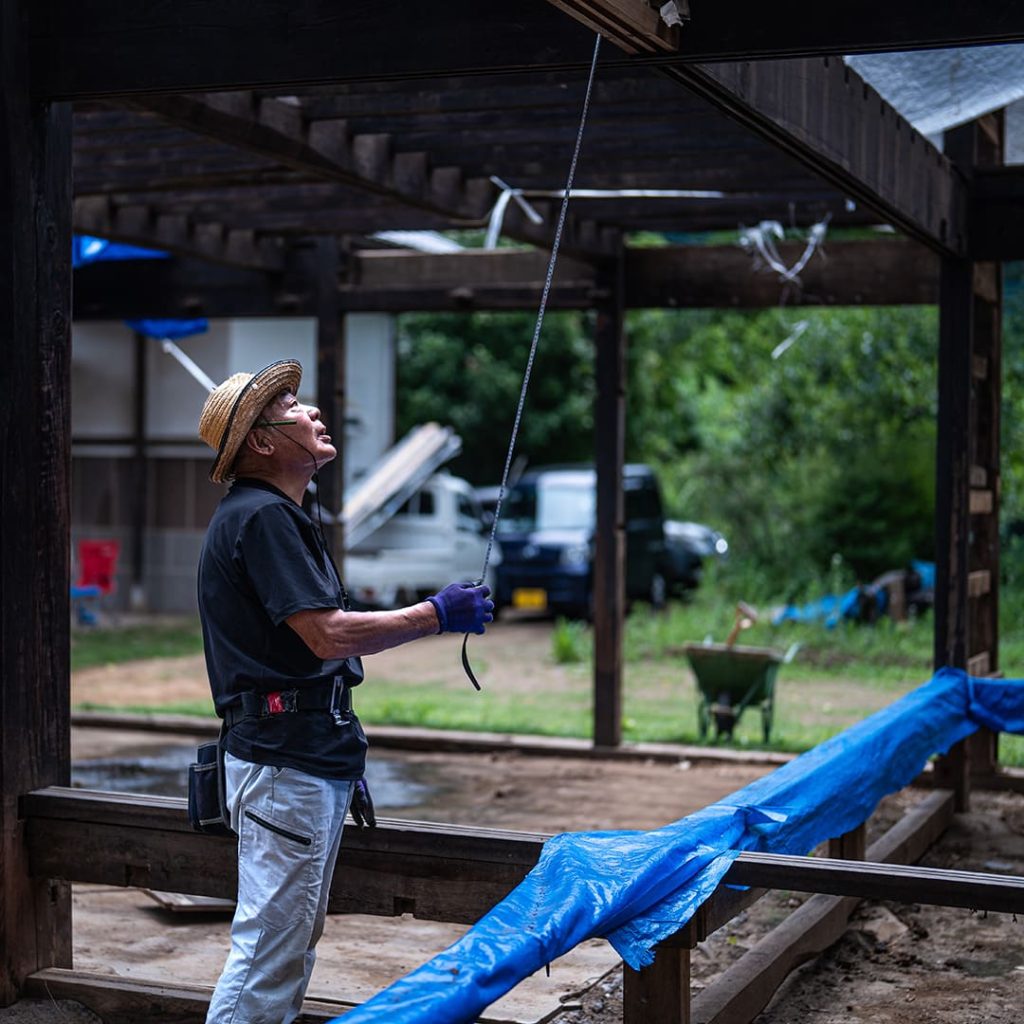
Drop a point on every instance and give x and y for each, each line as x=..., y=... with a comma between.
x=732, y=678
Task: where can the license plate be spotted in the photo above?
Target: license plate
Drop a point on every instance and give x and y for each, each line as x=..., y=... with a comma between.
x=530, y=597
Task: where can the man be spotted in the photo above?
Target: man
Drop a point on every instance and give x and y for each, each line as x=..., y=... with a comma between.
x=282, y=653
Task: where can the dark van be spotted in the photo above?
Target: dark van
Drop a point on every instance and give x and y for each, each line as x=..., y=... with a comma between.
x=547, y=540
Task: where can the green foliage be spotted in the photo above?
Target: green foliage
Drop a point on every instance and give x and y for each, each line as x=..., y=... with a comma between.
x=111, y=645
x=466, y=371
x=827, y=449
x=569, y=642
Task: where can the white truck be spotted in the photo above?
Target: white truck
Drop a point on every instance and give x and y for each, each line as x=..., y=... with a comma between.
x=410, y=530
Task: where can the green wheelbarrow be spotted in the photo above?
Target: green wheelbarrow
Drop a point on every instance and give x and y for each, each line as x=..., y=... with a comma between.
x=731, y=679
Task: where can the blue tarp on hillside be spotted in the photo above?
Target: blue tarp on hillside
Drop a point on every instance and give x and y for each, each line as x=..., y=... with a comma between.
x=637, y=888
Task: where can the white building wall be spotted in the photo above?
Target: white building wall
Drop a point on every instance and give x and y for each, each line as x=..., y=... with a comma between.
x=102, y=404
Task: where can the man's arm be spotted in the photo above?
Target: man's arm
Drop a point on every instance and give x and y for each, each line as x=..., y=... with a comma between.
x=332, y=633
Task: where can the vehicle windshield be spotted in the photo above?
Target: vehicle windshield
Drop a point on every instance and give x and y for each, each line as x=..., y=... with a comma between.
x=553, y=505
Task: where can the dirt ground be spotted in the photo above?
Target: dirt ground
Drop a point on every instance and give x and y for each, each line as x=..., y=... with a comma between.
x=897, y=964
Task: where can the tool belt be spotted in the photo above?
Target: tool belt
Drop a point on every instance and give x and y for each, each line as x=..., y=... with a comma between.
x=335, y=697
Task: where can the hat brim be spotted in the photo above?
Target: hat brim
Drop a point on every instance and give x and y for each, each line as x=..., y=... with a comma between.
x=264, y=386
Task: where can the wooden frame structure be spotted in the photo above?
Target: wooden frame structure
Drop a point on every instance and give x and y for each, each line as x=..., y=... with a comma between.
x=260, y=143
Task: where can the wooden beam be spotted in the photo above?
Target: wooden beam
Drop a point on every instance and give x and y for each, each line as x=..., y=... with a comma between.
x=205, y=45
x=121, y=1000
x=633, y=25
x=366, y=161
x=831, y=120
x=35, y=425
x=104, y=50
x=753, y=30
x=883, y=272
x=327, y=149
x=937, y=887
x=179, y=287
x=436, y=872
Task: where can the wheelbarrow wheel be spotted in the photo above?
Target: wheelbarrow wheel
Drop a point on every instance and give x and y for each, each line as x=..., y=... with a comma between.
x=725, y=716
x=703, y=719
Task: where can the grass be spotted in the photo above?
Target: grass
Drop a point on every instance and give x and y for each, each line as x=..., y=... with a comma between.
x=112, y=645
x=838, y=677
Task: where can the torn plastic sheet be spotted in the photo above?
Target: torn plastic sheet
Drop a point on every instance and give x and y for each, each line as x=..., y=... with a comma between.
x=638, y=888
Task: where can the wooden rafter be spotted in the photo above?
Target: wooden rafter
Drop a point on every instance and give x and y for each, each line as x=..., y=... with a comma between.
x=141, y=225
x=824, y=114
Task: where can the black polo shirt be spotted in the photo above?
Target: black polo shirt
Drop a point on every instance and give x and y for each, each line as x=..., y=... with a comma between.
x=261, y=562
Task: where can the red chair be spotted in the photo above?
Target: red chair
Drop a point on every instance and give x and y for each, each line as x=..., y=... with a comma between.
x=97, y=564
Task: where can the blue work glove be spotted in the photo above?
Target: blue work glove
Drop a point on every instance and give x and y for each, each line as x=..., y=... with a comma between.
x=362, y=806
x=463, y=608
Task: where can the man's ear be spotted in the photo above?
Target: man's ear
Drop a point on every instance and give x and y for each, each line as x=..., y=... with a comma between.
x=259, y=441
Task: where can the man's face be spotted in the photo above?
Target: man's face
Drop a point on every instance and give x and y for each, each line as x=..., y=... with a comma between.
x=302, y=424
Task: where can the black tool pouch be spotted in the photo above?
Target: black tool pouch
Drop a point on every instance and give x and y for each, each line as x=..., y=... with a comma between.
x=207, y=807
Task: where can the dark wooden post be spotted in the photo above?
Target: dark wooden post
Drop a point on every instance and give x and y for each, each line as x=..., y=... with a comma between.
x=35, y=425
x=661, y=992
x=330, y=376
x=140, y=479
x=609, y=588
x=967, y=477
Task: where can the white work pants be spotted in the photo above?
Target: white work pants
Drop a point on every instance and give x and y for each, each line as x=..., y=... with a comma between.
x=289, y=828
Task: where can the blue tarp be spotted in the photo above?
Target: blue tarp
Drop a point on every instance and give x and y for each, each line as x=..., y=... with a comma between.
x=637, y=888
x=86, y=249
x=175, y=330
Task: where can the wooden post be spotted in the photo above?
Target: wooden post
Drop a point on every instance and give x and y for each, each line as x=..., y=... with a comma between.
x=35, y=424
x=609, y=589
x=658, y=993
x=967, y=477
x=330, y=388
x=140, y=479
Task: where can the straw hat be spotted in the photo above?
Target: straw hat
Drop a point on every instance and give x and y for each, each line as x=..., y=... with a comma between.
x=232, y=408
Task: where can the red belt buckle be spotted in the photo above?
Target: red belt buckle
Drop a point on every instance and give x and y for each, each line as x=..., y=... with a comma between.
x=275, y=706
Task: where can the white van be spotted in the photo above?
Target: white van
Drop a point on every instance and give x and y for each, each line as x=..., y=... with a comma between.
x=438, y=536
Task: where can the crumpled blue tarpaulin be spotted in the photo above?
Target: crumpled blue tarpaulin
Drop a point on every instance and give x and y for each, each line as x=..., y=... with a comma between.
x=86, y=249
x=173, y=330
x=637, y=888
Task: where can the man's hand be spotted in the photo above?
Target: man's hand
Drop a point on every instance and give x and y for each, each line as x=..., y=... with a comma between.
x=362, y=806
x=463, y=608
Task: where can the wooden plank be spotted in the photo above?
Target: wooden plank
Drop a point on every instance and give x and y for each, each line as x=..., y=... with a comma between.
x=119, y=1000
x=35, y=318
x=609, y=579
x=825, y=115
x=981, y=502
x=745, y=988
x=979, y=664
x=979, y=583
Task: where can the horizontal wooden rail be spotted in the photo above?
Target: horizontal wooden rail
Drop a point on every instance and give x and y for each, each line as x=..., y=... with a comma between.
x=437, y=872
x=937, y=887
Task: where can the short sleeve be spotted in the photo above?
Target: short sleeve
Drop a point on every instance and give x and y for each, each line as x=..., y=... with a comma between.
x=285, y=574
